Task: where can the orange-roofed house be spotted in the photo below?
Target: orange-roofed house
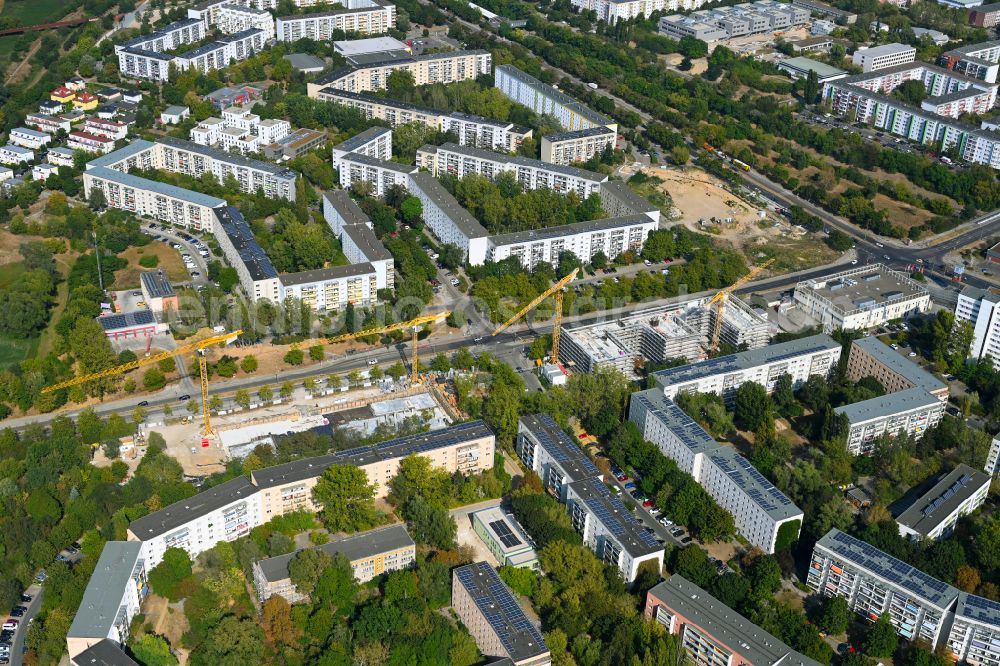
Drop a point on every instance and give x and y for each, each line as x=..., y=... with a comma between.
x=86, y=101
x=63, y=95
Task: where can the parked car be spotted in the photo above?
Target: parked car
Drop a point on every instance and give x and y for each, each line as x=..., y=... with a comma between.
x=26, y=598
x=623, y=477
x=647, y=503
x=18, y=611
x=686, y=540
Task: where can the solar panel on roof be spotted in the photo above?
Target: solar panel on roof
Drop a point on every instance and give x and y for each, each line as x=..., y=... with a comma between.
x=504, y=533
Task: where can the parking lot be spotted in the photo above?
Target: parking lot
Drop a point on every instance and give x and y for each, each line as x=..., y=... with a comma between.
x=194, y=252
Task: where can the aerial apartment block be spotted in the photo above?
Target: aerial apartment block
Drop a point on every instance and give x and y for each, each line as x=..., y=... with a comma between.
x=230, y=510
x=985, y=16
x=979, y=61
x=934, y=514
x=460, y=161
x=543, y=99
x=711, y=633
x=381, y=174
x=150, y=198
x=366, y=17
x=149, y=57
x=234, y=18
x=371, y=553
x=802, y=358
x=375, y=142
x=357, y=238
x=28, y=138
x=550, y=453
x=750, y=18
x=446, y=67
x=981, y=307
x=448, y=220
x=492, y=614
x=471, y=130
x=578, y=145
x=883, y=56
x=758, y=508
x=112, y=598
x=861, y=297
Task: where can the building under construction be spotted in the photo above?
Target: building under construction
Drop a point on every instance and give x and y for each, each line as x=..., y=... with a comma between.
x=678, y=330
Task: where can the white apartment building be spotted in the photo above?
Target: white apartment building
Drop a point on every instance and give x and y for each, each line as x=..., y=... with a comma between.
x=357, y=239
x=328, y=289
x=92, y=143
x=47, y=123
x=880, y=57
x=446, y=67
x=980, y=307
x=577, y=146
x=149, y=198
x=27, y=138
x=460, y=161
x=993, y=457
x=375, y=142
x=11, y=154
x=235, y=18
x=861, y=297
x=611, y=11
x=258, y=276
x=169, y=37
x=618, y=200
x=208, y=132
x=802, y=358
x=550, y=453
x=112, y=599
x=447, y=219
x=366, y=17
x=471, y=130
x=908, y=412
x=758, y=508
x=874, y=582
x=41, y=172
x=357, y=167
x=609, y=529
x=60, y=156
x=934, y=514
x=185, y=157
x=612, y=236
x=546, y=100
x=980, y=61
x=111, y=129
x=975, y=632
x=141, y=63
x=495, y=619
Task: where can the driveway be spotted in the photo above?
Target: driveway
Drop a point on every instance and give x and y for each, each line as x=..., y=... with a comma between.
x=35, y=605
x=172, y=237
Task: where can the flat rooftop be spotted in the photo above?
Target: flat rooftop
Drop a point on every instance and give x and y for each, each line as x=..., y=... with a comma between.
x=345, y=206
x=579, y=134
x=355, y=547
x=846, y=548
x=117, y=156
x=978, y=609
x=745, y=360
x=235, y=226
x=568, y=230
x=442, y=198
x=121, y=320
x=325, y=274
x=619, y=190
x=372, y=45
x=726, y=625
x=900, y=365
x=615, y=517
x=156, y=284
x=680, y=424
x=230, y=158
x=353, y=143
x=551, y=93
x=888, y=405
x=388, y=165
x=943, y=499
x=104, y=653
x=863, y=289
x=570, y=457
x=603, y=341
x=307, y=468
x=504, y=530
x=366, y=241
x=181, y=513
x=762, y=492
x=105, y=590
x=493, y=156
x=823, y=71
x=500, y=608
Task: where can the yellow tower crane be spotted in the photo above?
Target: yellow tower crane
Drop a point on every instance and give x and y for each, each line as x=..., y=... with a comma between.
x=415, y=324
x=198, y=348
x=719, y=301
x=557, y=323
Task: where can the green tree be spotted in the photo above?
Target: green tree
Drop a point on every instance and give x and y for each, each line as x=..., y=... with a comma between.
x=881, y=639
x=347, y=499
x=431, y=524
x=337, y=587
x=753, y=407
x=286, y=390
x=400, y=84
x=248, y=363
x=317, y=353
x=153, y=379
x=810, y=89
x=295, y=357
x=265, y=393
x=440, y=363
x=833, y=615
x=175, y=567
x=411, y=209
x=680, y=155
x=306, y=568
x=397, y=370
x=242, y=398
x=152, y=650
x=233, y=641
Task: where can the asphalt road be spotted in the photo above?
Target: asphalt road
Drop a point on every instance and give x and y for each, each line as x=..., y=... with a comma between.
x=17, y=646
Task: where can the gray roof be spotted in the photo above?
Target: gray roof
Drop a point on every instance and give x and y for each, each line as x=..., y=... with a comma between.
x=122, y=154
x=223, y=156
x=324, y=274
x=182, y=512
x=366, y=241
x=257, y=263
x=809, y=65
x=175, y=110
x=762, y=492
x=907, y=66
x=400, y=447
x=745, y=360
x=32, y=133
x=391, y=103
x=358, y=140
x=443, y=199
x=304, y=61
x=339, y=73
x=977, y=47
x=899, y=364
x=345, y=206
x=156, y=283
x=104, y=653
x=499, y=607
x=556, y=96
x=361, y=60
x=493, y=156
x=625, y=195
x=890, y=404
x=943, y=498
x=105, y=590
x=978, y=609
x=163, y=32
x=568, y=230
x=615, y=517
x=579, y=134
x=895, y=572
x=389, y=165
x=571, y=459
x=355, y=547
x=115, y=322
x=725, y=625
x=682, y=426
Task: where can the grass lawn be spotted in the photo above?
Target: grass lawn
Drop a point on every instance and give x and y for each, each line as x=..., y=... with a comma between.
x=9, y=273
x=14, y=351
x=170, y=263
x=29, y=12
